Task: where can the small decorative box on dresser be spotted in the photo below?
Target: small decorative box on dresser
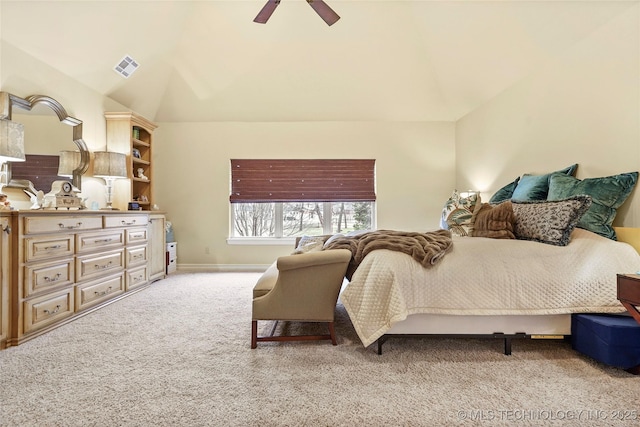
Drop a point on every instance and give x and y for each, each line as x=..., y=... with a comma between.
x=68, y=263
x=172, y=257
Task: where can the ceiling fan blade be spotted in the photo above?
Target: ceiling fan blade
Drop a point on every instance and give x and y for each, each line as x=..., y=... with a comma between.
x=266, y=11
x=325, y=12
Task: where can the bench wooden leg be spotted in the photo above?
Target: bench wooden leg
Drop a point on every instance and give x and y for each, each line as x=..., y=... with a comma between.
x=332, y=333
x=255, y=339
x=254, y=333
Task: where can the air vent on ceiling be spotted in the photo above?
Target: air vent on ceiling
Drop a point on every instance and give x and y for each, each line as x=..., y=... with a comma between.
x=126, y=66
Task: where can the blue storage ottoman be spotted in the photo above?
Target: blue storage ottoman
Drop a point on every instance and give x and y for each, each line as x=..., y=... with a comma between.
x=608, y=338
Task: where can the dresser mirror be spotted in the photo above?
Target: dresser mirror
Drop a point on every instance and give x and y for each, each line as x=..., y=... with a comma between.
x=48, y=130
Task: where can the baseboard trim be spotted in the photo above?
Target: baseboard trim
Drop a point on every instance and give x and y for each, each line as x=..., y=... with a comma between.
x=229, y=268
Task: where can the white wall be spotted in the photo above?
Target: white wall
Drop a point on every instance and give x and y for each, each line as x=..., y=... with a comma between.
x=415, y=162
x=414, y=175
x=583, y=107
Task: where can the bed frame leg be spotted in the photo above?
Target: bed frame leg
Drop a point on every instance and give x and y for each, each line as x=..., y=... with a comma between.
x=381, y=341
x=507, y=346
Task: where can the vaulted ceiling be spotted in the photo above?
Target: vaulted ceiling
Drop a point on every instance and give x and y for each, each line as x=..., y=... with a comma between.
x=404, y=60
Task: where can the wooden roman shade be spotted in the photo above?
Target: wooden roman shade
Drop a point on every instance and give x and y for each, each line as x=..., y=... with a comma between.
x=290, y=180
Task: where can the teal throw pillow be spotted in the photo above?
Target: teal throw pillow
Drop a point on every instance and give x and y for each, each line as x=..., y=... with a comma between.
x=607, y=193
x=536, y=187
x=506, y=192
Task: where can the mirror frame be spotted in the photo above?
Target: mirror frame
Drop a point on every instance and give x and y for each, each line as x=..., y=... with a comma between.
x=8, y=101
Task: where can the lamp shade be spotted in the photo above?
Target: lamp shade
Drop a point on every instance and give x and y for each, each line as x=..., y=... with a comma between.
x=109, y=164
x=69, y=160
x=11, y=141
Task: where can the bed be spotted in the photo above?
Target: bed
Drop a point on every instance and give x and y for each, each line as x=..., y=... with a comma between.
x=542, y=248
x=488, y=287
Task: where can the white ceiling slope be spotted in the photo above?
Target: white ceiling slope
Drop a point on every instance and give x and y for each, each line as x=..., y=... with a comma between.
x=395, y=60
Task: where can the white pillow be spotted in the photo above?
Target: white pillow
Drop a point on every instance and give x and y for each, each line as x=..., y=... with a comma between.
x=332, y=238
x=309, y=244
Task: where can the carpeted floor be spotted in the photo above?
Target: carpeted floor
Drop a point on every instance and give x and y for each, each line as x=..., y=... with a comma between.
x=177, y=354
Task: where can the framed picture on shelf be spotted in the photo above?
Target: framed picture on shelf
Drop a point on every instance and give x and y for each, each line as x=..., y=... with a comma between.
x=136, y=153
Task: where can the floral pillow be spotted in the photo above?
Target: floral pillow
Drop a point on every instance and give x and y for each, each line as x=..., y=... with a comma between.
x=459, y=212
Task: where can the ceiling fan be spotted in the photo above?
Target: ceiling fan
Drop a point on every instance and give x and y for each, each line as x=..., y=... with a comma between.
x=321, y=8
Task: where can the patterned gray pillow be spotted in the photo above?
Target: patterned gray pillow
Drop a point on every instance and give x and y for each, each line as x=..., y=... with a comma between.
x=549, y=221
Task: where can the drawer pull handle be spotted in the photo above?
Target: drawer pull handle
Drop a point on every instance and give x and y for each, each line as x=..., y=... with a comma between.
x=138, y=278
x=137, y=236
x=138, y=256
x=102, y=240
x=108, y=291
x=52, y=279
x=102, y=267
x=55, y=310
x=69, y=227
x=128, y=223
x=46, y=248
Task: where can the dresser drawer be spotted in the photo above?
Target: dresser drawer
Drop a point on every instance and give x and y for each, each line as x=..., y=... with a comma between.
x=47, y=247
x=45, y=276
x=92, y=293
x=136, y=255
x=86, y=242
x=136, y=277
x=112, y=221
x=136, y=235
x=90, y=266
x=48, y=309
x=61, y=223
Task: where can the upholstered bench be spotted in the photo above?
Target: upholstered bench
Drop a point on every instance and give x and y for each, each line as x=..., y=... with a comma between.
x=608, y=338
x=302, y=288
x=267, y=281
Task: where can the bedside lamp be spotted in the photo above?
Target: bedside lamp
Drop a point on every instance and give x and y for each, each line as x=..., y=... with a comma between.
x=109, y=166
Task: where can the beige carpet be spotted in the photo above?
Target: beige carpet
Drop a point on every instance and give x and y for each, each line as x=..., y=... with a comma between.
x=177, y=354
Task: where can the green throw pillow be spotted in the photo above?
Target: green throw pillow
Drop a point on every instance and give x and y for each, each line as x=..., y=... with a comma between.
x=506, y=192
x=536, y=187
x=607, y=193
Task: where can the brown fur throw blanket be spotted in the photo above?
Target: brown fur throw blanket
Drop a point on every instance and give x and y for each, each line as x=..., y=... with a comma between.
x=426, y=248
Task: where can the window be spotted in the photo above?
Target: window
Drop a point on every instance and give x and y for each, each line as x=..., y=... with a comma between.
x=286, y=198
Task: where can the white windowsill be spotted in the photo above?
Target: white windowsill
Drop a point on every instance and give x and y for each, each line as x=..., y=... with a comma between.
x=262, y=241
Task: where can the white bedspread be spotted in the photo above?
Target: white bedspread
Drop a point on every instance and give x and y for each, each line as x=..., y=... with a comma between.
x=483, y=276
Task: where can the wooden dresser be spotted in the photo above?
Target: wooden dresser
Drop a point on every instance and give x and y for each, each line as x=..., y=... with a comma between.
x=64, y=264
